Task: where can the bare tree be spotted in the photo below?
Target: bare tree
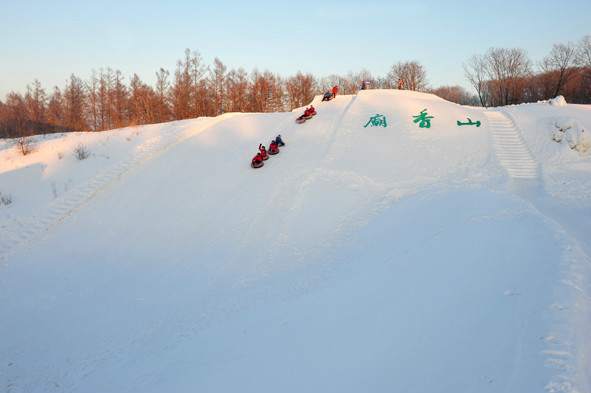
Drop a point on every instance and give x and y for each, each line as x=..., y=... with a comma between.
x=181, y=89
x=16, y=112
x=583, y=60
x=266, y=92
x=456, y=94
x=217, y=82
x=74, y=98
x=55, y=109
x=300, y=89
x=36, y=101
x=411, y=73
x=561, y=61
x=118, y=97
x=142, y=102
x=200, y=105
x=105, y=99
x=162, y=109
x=24, y=145
x=237, y=88
x=357, y=79
x=92, y=95
x=583, y=57
x=476, y=72
x=505, y=67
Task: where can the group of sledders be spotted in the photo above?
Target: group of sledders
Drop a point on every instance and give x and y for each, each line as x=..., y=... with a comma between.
x=263, y=154
x=310, y=112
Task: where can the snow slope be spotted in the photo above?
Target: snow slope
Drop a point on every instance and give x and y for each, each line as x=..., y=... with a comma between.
x=358, y=259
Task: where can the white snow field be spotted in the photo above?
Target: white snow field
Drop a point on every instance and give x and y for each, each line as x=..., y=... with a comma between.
x=359, y=259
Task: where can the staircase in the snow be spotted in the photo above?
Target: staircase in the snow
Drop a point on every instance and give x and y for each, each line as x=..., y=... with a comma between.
x=510, y=147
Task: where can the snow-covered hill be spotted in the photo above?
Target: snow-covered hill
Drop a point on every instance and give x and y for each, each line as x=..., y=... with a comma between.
x=453, y=258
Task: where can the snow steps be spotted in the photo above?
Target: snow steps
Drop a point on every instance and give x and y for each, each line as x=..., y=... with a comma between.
x=510, y=147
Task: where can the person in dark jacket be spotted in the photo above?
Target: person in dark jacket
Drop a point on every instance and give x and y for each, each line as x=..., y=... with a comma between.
x=279, y=140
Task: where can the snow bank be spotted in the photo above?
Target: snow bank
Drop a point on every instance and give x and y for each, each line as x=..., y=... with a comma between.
x=566, y=164
x=557, y=101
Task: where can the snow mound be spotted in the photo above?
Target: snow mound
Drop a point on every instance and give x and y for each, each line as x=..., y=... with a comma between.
x=557, y=101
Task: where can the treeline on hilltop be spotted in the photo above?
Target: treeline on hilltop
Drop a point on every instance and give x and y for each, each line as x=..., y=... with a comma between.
x=108, y=100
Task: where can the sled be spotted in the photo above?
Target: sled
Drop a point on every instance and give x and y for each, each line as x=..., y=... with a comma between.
x=256, y=165
x=301, y=120
x=273, y=152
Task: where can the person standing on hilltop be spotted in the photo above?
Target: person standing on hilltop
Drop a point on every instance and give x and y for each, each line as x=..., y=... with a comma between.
x=400, y=84
x=335, y=91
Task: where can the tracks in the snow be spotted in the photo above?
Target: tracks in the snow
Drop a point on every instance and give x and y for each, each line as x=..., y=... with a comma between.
x=20, y=232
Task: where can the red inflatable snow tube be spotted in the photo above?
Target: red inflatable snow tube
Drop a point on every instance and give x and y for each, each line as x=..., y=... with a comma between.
x=256, y=164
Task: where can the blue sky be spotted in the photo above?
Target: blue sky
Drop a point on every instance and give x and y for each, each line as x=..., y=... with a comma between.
x=49, y=40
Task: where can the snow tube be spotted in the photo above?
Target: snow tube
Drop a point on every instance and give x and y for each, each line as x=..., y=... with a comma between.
x=301, y=120
x=256, y=165
x=273, y=151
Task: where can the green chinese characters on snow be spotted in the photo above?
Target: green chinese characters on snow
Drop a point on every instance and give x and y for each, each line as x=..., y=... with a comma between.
x=469, y=123
x=376, y=121
x=423, y=119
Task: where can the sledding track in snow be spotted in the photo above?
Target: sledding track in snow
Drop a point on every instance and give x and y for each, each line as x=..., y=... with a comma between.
x=510, y=147
x=299, y=165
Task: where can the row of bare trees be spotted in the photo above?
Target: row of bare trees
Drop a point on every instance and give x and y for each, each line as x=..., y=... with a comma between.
x=501, y=76
x=106, y=100
x=505, y=76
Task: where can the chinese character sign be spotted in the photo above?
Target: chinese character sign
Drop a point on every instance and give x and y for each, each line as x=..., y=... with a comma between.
x=423, y=120
x=469, y=123
x=377, y=121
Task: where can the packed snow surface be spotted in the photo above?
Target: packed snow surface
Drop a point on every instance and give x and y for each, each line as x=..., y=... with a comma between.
x=361, y=258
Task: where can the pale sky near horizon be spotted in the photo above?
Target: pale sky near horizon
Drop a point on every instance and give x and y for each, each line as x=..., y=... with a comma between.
x=49, y=40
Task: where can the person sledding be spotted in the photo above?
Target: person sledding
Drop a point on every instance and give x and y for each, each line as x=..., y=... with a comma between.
x=273, y=148
x=279, y=140
x=335, y=91
x=327, y=96
x=257, y=161
x=263, y=152
x=308, y=114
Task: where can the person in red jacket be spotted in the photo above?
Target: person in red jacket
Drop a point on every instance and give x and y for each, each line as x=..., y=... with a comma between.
x=263, y=151
x=273, y=148
x=335, y=91
x=257, y=161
